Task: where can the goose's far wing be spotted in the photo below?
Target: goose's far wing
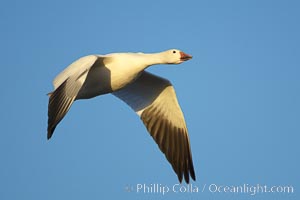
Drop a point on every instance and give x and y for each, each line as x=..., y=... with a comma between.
x=67, y=85
x=61, y=100
x=154, y=100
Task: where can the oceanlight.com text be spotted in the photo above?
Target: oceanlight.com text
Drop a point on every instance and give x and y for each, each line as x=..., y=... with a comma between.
x=248, y=189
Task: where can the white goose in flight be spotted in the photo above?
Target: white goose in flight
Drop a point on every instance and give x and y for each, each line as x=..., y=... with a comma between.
x=153, y=98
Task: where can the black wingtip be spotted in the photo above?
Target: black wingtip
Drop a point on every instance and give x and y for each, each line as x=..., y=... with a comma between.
x=49, y=135
x=179, y=179
x=187, y=178
x=50, y=132
x=192, y=173
x=187, y=175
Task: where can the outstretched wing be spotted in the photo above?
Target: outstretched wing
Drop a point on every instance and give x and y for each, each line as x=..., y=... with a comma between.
x=67, y=85
x=154, y=100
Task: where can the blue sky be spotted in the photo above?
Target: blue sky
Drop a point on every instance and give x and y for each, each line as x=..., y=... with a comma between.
x=239, y=93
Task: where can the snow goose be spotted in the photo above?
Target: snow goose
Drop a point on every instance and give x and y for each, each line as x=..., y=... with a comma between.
x=153, y=98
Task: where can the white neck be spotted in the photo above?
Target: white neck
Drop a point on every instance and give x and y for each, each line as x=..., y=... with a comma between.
x=154, y=58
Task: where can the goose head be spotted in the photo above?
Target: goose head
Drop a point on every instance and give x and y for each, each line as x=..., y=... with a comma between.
x=175, y=56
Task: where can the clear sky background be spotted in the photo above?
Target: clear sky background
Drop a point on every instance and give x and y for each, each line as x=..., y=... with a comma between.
x=240, y=95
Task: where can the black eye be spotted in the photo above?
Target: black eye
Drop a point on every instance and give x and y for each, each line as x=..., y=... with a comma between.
x=174, y=51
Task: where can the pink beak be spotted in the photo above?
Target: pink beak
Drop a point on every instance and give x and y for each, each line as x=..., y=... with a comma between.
x=184, y=56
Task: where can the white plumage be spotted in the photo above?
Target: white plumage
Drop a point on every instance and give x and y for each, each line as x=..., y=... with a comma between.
x=153, y=98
